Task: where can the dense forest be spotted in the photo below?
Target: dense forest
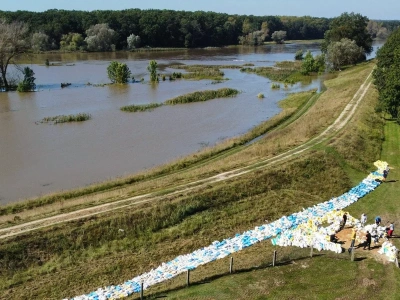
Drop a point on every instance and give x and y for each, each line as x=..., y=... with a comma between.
x=168, y=28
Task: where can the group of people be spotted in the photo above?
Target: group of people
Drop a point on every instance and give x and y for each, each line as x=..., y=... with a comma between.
x=389, y=228
x=366, y=244
x=369, y=235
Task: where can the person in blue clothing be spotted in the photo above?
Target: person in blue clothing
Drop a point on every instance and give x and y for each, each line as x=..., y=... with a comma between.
x=378, y=220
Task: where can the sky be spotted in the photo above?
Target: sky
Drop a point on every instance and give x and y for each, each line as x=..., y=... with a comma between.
x=376, y=10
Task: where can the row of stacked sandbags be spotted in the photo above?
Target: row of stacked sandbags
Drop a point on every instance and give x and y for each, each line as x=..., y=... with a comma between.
x=221, y=249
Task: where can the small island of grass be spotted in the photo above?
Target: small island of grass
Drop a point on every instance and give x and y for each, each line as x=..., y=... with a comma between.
x=67, y=118
x=203, y=96
x=144, y=107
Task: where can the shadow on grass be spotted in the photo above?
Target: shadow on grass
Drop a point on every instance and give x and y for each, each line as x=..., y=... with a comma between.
x=359, y=258
x=283, y=262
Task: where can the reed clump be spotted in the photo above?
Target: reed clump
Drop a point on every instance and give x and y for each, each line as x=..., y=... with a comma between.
x=275, y=86
x=203, y=96
x=144, y=107
x=67, y=118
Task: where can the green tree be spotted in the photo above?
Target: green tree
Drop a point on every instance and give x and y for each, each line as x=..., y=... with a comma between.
x=100, y=38
x=152, y=68
x=13, y=41
x=387, y=75
x=118, y=72
x=28, y=84
x=247, y=26
x=279, y=36
x=342, y=53
x=256, y=37
x=40, y=42
x=133, y=41
x=312, y=64
x=319, y=63
x=308, y=64
x=72, y=42
x=351, y=26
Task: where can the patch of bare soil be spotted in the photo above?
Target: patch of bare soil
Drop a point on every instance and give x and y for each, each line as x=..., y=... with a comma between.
x=344, y=237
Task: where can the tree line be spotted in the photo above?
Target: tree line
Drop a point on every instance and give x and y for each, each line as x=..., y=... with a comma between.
x=347, y=38
x=387, y=76
x=107, y=30
x=164, y=28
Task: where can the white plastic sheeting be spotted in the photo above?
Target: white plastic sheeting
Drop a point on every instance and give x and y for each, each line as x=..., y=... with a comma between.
x=221, y=249
x=389, y=250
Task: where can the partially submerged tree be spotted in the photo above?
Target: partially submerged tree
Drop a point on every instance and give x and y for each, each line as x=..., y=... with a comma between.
x=152, y=68
x=279, y=36
x=13, y=41
x=28, y=84
x=118, y=72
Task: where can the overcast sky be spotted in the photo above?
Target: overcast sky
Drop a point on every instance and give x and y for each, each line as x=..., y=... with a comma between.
x=385, y=10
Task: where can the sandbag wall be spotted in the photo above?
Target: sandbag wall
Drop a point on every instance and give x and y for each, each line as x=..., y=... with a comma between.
x=284, y=226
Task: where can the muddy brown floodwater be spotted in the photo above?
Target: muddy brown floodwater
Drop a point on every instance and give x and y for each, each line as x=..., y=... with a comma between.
x=36, y=158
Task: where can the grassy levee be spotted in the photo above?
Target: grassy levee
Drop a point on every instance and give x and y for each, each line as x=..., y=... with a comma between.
x=77, y=257
x=329, y=276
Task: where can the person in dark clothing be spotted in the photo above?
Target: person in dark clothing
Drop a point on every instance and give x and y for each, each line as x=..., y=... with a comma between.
x=333, y=238
x=385, y=174
x=368, y=241
x=344, y=220
x=378, y=220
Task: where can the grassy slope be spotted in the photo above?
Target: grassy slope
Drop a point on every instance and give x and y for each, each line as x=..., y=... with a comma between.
x=338, y=277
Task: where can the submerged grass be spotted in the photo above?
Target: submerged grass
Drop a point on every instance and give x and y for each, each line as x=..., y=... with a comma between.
x=203, y=96
x=144, y=107
x=67, y=118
